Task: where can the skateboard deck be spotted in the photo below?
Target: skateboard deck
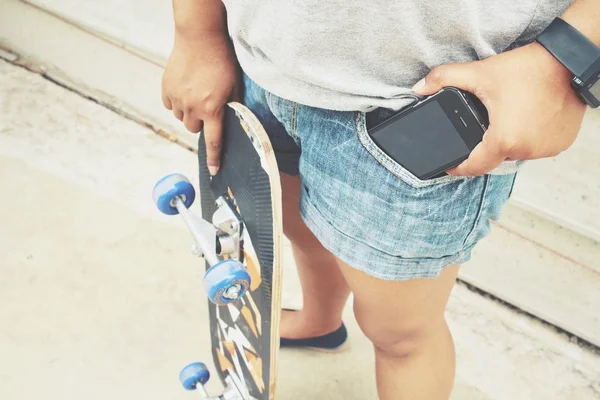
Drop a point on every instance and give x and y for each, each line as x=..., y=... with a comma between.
x=245, y=333
x=240, y=237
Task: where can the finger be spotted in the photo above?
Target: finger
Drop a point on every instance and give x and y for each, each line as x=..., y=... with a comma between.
x=191, y=123
x=212, y=135
x=462, y=76
x=178, y=113
x=484, y=158
x=167, y=102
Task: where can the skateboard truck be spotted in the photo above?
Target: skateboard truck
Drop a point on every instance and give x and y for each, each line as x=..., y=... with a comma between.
x=222, y=237
x=226, y=280
x=194, y=376
x=229, y=229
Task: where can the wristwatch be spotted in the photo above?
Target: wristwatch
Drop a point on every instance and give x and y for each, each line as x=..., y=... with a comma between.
x=578, y=54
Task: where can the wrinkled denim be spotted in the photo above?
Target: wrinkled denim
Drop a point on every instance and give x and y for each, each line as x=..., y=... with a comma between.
x=365, y=208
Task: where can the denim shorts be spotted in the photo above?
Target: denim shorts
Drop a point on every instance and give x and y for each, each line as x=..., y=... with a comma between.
x=365, y=208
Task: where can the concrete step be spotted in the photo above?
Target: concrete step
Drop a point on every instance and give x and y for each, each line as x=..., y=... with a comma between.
x=543, y=269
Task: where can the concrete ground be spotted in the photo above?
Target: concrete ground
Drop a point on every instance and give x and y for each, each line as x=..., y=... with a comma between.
x=101, y=299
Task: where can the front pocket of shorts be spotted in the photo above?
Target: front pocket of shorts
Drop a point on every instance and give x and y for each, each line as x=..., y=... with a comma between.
x=392, y=166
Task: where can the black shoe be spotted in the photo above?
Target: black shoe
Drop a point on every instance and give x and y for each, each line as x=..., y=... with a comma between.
x=333, y=341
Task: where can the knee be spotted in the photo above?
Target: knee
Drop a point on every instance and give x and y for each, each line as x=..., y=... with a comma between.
x=400, y=339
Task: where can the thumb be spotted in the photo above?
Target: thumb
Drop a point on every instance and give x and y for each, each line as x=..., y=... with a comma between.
x=485, y=157
x=462, y=76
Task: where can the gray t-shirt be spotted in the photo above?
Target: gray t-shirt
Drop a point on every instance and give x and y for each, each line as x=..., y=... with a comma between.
x=359, y=55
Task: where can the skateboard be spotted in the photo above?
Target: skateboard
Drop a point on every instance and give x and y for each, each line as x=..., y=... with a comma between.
x=240, y=236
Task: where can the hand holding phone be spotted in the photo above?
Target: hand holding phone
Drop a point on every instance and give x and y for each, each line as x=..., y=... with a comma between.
x=435, y=134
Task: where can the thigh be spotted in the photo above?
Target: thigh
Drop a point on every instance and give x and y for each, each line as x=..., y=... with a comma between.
x=293, y=226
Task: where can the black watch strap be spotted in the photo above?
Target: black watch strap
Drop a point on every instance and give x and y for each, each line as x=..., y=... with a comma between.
x=569, y=46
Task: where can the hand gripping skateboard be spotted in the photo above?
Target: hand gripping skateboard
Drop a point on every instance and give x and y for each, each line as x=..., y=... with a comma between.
x=239, y=235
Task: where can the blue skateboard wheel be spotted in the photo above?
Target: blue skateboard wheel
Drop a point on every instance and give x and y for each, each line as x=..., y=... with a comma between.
x=226, y=282
x=168, y=189
x=193, y=374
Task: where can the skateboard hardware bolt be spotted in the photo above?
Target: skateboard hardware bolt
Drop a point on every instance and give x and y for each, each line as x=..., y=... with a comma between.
x=182, y=197
x=233, y=292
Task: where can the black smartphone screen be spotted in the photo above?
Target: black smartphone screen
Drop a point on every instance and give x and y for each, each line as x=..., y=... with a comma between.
x=421, y=136
x=434, y=135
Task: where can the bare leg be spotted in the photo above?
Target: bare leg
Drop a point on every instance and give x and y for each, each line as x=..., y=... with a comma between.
x=324, y=288
x=405, y=321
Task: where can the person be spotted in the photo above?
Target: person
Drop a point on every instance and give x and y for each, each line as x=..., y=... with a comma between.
x=319, y=74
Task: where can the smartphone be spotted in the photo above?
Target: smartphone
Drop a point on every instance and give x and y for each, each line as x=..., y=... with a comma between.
x=435, y=134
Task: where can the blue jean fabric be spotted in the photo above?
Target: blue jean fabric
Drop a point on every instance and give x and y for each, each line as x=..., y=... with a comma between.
x=365, y=208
